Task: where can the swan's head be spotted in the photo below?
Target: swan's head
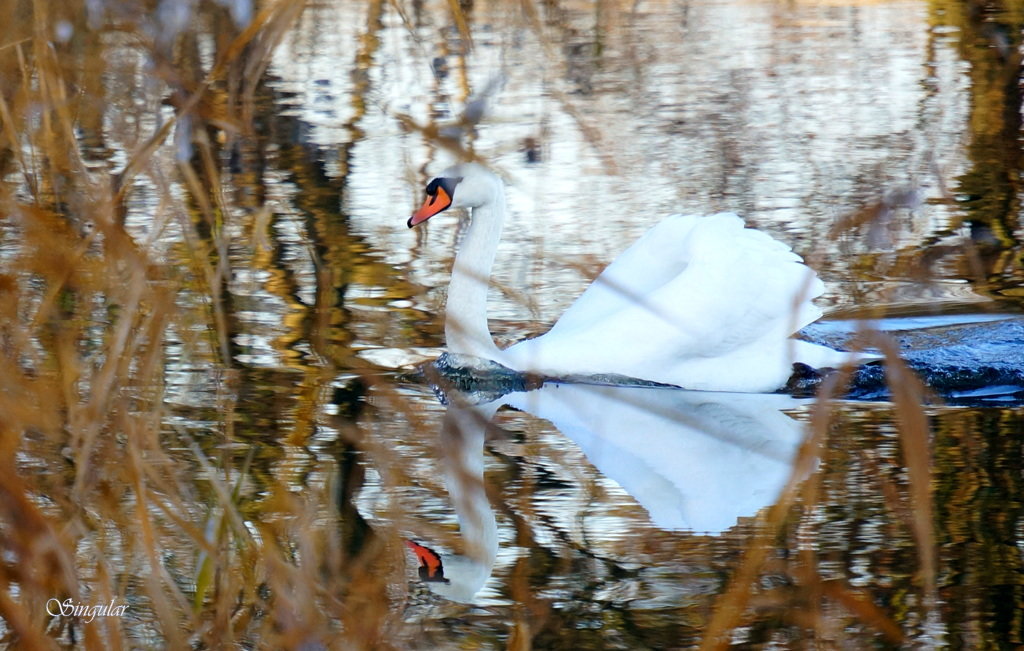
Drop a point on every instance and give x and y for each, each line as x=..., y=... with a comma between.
x=469, y=185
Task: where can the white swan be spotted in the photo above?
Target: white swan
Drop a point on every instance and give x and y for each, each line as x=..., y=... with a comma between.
x=697, y=302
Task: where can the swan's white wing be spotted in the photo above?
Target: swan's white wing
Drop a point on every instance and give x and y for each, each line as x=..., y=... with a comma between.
x=701, y=302
x=653, y=260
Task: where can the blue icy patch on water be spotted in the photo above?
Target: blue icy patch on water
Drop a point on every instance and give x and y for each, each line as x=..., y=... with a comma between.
x=849, y=326
x=974, y=360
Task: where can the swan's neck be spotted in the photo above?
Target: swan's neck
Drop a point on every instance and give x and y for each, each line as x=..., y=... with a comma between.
x=465, y=327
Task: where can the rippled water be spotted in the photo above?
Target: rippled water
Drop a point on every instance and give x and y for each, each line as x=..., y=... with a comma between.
x=868, y=136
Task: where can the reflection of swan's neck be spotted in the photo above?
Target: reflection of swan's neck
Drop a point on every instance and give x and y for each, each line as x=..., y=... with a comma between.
x=462, y=441
x=479, y=530
x=465, y=328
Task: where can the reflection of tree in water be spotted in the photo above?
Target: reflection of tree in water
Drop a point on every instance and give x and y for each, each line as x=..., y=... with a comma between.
x=978, y=493
x=990, y=190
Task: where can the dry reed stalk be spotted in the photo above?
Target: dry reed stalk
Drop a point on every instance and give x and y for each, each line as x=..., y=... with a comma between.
x=909, y=396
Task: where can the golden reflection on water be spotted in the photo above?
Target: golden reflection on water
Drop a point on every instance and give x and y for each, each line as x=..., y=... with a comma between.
x=209, y=300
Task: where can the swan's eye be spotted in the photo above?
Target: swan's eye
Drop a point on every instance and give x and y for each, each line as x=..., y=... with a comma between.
x=448, y=185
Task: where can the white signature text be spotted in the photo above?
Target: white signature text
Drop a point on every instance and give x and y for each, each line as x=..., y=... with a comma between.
x=69, y=608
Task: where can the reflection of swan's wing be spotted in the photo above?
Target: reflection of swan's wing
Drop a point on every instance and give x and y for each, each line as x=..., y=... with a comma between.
x=691, y=301
x=693, y=460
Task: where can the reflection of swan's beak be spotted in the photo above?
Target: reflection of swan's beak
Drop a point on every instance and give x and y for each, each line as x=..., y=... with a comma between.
x=430, y=566
x=433, y=204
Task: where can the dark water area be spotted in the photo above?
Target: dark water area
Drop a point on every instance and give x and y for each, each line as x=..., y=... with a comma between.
x=206, y=270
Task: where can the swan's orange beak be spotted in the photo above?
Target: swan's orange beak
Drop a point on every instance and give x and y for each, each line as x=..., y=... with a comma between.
x=433, y=204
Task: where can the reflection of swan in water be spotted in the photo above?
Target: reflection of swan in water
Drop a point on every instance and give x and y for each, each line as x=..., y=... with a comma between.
x=697, y=302
x=694, y=460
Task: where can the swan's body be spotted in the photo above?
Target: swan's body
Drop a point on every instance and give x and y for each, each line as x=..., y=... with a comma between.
x=697, y=302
